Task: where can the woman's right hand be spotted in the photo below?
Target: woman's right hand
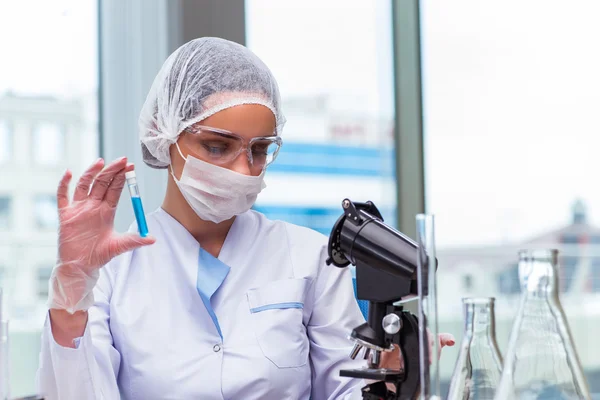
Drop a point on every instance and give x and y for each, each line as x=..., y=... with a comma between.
x=86, y=239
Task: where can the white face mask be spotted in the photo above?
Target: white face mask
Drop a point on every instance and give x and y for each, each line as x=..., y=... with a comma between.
x=215, y=193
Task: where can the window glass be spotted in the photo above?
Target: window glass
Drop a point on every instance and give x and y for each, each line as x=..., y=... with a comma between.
x=43, y=276
x=45, y=211
x=5, y=142
x=4, y=213
x=337, y=92
x=48, y=144
x=49, y=89
x=511, y=91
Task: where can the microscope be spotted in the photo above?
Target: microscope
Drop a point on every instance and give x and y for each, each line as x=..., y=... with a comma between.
x=386, y=274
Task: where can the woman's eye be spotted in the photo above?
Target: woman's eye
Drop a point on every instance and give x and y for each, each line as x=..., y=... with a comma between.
x=215, y=150
x=260, y=150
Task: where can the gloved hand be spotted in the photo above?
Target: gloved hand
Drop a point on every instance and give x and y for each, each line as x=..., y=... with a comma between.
x=86, y=239
x=394, y=360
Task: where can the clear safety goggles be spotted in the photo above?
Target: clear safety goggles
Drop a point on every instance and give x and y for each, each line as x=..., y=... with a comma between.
x=221, y=147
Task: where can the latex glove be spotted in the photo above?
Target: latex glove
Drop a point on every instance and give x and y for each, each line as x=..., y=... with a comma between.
x=393, y=359
x=86, y=239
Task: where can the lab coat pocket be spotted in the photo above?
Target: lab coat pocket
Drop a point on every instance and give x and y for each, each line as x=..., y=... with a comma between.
x=276, y=314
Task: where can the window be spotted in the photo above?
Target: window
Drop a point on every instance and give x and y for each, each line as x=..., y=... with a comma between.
x=4, y=213
x=467, y=282
x=594, y=276
x=43, y=277
x=594, y=279
x=6, y=142
x=509, y=120
x=339, y=106
x=569, y=260
x=508, y=280
x=45, y=211
x=49, y=88
x=48, y=144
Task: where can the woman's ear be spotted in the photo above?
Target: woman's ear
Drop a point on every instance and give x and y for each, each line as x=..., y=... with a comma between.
x=177, y=160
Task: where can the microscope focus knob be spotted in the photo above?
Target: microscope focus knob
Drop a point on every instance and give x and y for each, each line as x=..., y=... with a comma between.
x=391, y=324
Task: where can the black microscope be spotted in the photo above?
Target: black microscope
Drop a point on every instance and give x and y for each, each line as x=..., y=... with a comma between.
x=386, y=272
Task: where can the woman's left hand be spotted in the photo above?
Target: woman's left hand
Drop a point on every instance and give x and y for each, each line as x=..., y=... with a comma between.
x=393, y=359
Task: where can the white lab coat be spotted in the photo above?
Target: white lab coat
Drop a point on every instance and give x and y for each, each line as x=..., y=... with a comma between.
x=283, y=313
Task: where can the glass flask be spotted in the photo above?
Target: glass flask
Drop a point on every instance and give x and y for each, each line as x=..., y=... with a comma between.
x=541, y=362
x=479, y=365
x=429, y=374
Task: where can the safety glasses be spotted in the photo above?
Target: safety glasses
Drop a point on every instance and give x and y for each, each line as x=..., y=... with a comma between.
x=221, y=147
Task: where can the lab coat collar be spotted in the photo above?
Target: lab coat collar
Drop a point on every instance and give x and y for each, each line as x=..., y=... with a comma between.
x=238, y=240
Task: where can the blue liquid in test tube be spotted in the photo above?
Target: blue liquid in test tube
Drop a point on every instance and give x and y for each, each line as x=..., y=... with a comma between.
x=136, y=200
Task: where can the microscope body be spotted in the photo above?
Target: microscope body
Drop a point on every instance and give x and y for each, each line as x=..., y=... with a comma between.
x=385, y=261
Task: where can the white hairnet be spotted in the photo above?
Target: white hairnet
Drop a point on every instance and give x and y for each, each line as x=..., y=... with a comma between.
x=201, y=78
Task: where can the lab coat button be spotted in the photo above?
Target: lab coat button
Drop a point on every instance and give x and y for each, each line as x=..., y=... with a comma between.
x=216, y=348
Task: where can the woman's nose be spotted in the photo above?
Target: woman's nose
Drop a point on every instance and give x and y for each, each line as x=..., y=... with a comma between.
x=242, y=164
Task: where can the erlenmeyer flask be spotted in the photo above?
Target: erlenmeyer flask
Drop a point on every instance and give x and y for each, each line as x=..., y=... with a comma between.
x=479, y=364
x=541, y=362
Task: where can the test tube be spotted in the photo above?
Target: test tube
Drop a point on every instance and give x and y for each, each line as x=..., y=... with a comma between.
x=136, y=200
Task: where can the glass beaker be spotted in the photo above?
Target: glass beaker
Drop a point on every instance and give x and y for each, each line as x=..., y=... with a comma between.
x=541, y=362
x=479, y=365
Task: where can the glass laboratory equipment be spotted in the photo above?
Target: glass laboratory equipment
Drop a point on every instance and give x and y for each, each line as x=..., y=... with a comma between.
x=136, y=201
x=427, y=313
x=479, y=365
x=541, y=362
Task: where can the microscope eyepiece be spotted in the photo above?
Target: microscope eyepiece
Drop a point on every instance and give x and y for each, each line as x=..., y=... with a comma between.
x=360, y=236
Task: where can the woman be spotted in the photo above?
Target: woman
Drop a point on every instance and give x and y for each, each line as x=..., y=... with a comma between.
x=221, y=303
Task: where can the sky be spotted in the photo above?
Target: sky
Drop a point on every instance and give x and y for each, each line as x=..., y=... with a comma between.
x=511, y=98
x=48, y=47
x=511, y=92
x=338, y=47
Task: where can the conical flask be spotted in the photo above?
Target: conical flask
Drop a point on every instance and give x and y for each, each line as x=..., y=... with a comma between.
x=479, y=364
x=541, y=362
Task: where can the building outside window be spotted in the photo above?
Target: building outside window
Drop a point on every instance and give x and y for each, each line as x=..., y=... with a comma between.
x=45, y=211
x=43, y=276
x=338, y=139
x=6, y=142
x=5, y=206
x=48, y=141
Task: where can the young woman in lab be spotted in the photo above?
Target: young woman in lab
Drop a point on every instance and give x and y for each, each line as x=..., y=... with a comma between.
x=220, y=302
